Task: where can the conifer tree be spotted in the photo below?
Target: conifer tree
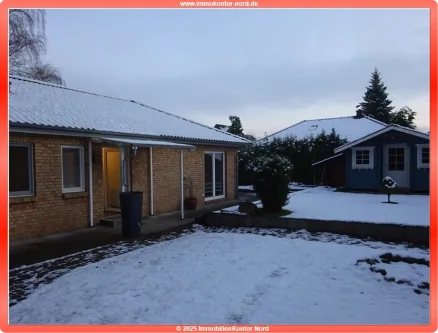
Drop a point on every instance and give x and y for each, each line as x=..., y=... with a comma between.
x=376, y=103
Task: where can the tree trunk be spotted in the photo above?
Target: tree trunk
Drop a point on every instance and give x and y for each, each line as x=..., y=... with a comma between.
x=389, y=194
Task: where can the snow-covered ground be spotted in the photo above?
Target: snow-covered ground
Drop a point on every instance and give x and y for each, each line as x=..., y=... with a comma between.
x=321, y=203
x=207, y=278
x=292, y=186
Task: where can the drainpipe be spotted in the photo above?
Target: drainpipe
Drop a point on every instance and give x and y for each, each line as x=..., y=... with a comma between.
x=237, y=175
x=151, y=181
x=182, y=184
x=90, y=181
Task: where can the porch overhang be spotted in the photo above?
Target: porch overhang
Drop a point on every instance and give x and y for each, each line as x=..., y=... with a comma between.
x=147, y=143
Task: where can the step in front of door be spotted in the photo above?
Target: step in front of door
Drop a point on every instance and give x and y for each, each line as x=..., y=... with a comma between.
x=111, y=221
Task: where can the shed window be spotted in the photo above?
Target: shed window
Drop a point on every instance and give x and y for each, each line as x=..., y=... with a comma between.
x=363, y=158
x=423, y=156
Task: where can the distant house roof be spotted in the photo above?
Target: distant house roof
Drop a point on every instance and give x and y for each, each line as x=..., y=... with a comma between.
x=350, y=128
x=222, y=127
x=386, y=129
x=35, y=104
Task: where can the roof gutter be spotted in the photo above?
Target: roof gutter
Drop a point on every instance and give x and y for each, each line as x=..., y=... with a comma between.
x=87, y=133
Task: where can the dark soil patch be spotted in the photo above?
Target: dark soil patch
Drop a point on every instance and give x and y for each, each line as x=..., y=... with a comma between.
x=387, y=258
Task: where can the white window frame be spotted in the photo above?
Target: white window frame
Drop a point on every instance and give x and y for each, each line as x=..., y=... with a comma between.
x=420, y=164
x=363, y=166
x=214, y=197
x=31, y=191
x=81, y=168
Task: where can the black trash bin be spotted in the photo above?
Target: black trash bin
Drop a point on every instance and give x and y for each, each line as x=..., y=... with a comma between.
x=131, y=206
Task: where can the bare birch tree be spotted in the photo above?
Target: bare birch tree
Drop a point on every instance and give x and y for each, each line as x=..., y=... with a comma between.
x=27, y=45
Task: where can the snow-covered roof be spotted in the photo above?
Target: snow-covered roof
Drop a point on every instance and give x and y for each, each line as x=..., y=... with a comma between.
x=391, y=127
x=350, y=128
x=52, y=106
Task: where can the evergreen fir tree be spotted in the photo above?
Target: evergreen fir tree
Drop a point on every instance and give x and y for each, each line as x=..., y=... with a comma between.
x=375, y=101
x=236, y=126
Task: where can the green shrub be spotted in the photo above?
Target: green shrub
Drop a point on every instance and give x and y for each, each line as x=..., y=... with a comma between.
x=300, y=152
x=271, y=181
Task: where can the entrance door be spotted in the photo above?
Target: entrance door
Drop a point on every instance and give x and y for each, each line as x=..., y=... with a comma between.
x=115, y=177
x=396, y=164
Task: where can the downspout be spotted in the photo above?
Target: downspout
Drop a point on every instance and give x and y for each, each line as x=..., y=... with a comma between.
x=237, y=175
x=90, y=181
x=151, y=182
x=182, y=184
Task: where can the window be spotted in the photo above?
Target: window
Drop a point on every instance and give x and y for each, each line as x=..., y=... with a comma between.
x=363, y=158
x=214, y=164
x=423, y=156
x=396, y=159
x=21, y=170
x=73, y=177
x=313, y=127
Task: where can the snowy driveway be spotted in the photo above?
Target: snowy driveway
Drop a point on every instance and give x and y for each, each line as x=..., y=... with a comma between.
x=233, y=278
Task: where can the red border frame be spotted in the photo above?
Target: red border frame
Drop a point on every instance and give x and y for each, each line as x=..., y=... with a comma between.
x=4, y=86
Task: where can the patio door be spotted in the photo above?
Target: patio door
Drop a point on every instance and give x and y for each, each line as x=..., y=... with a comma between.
x=396, y=164
x=115, y=176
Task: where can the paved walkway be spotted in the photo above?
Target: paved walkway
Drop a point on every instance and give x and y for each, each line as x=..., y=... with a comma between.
x=40, y=249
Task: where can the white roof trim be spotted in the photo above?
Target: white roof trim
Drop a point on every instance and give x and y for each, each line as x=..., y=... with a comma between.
x=326, y=159
x=382, y=131
x=148, y=143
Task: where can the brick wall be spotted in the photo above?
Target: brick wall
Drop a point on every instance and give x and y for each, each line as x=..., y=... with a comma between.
x=140, y=175
x=50, y=212
x=167, y=171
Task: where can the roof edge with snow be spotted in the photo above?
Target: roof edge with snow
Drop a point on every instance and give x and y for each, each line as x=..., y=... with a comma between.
x=319, y=119
x=234, y=139
x=391, y=127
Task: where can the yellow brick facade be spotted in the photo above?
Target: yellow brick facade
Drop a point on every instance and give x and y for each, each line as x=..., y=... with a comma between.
x=50, y=211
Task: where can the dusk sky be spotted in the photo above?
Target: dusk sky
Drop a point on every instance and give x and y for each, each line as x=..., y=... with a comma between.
x=272, y=68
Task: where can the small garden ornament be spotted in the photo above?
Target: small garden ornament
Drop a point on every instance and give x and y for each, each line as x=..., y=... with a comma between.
x=389, y=184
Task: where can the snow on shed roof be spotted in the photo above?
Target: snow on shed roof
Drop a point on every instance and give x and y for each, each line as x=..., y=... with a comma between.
x=351, y=128
x=49, y=105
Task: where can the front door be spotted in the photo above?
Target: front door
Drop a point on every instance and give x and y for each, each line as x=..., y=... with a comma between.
x=115, y=177
x=396, y=164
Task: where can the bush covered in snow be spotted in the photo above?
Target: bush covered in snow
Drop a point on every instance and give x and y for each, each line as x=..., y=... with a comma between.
x=271, y=181
x=301, y=153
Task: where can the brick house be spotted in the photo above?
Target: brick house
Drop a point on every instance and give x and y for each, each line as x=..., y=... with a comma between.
x=61, y=138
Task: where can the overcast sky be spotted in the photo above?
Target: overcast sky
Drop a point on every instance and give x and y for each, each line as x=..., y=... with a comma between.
x=272, y=68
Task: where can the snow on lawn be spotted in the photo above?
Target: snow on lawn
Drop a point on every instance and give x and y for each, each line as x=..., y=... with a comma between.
x=292, y=186
x=321, y=203
x=207, y=278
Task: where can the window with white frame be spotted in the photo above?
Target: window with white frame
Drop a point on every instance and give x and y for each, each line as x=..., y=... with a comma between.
x=73, y=175
x=423, y=156
x=363, y=157
x=21, y=170
x=214, y=164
